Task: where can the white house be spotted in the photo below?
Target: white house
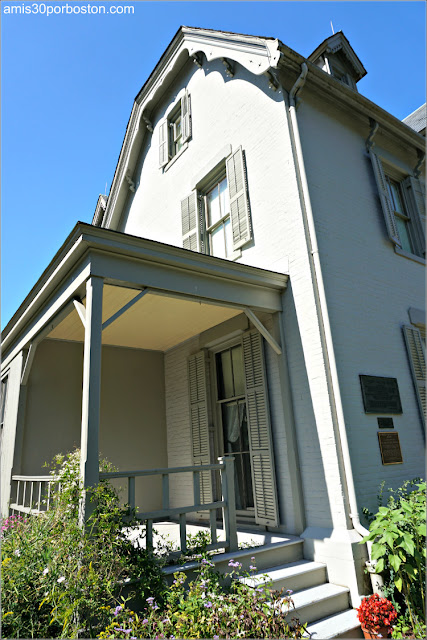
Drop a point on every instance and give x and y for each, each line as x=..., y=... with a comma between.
x=253, y=286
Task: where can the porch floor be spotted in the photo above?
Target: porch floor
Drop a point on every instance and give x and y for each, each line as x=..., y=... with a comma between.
x=168, y=533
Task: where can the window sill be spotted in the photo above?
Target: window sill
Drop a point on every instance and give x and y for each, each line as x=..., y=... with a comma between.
x=175, y=158
x=410, y=256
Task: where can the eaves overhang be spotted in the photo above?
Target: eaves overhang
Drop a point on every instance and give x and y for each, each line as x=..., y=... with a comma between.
x=86, y=240
x=332, y=89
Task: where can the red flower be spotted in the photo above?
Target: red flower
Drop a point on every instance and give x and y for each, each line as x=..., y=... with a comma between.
x=375, y=612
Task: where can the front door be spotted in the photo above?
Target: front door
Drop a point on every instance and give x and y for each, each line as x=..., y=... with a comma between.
x=233, y=436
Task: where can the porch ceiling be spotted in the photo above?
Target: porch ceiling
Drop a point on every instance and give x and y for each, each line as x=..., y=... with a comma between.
x=155, y=322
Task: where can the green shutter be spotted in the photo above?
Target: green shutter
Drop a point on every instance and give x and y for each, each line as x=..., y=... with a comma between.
x=199, y=412
x=239, y=203
x=417, y=361
x=415, y=197
x=186, y=116
x=190, y=220
x=260, y=442
x=386, y=204
x=163, y=143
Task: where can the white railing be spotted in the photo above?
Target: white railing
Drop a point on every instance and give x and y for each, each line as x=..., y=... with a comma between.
x=226, y=468
x=33, y=494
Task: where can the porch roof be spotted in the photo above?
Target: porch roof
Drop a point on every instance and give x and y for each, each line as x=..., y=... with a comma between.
x=211, y=289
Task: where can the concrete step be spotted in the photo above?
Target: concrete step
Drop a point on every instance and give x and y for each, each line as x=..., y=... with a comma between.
x=341, y=625
x=287, y=550
x=298, y=575
x=319, y=602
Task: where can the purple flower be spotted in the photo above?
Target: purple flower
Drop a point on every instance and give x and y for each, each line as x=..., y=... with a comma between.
x=289, y=591
x=208, y=605
x=150, y=600
x=118, y=609
x=216, y=638
x=252, y=568
x=145, y=621
x=253, y=558
x=118, y=629
x=165, y=620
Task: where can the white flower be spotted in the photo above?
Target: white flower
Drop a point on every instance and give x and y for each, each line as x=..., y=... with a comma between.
x=17, y=552
x=45, y=571
x=127, y=579
x=61, y=579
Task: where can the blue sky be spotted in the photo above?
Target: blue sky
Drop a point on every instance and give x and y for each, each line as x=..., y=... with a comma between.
x=68, y=84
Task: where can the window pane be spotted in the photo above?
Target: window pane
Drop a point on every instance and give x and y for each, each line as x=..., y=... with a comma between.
x=214, y=213
x=223, y=194
x=238, y=371
x=396, y=197
x=218, y=242
x=228, y=237
x=402, y=229
x=224, y=375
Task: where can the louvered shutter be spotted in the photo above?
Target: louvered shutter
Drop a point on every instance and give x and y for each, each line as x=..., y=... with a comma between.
x=190, y=219
x=186, y=116
x=199, y=412
x=260, y=443
x=417, y=361
x=415, y=196
x=163, y=143
x=239, y=203
x=386, y=203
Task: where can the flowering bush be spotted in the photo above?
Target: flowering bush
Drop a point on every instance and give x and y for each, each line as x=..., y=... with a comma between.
x=209, y=610
x=376, y=612
x=58, y=580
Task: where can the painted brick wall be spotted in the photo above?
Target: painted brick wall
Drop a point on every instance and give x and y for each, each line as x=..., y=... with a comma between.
x=369, y=287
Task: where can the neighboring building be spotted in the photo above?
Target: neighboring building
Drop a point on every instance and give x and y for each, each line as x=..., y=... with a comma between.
x=262, y=248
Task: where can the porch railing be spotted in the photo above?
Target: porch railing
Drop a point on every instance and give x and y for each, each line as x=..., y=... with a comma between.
x=33, y=494
x=226, y=468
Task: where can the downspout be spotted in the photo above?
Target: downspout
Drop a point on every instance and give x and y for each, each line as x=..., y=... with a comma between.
x=323, y=309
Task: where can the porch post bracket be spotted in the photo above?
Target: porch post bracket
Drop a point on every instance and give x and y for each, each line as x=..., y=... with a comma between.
x=263, y=331
x=81, y=310
x=28, y=363
x=127, y=306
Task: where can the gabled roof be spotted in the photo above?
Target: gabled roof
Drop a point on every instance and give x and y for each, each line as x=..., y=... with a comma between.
x=417, y=119
x=335, y=43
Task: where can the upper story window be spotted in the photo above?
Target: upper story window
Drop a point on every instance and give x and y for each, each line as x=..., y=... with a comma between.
x=403, y=205
x=3, y=394
x=175, y=130
x=215, y=216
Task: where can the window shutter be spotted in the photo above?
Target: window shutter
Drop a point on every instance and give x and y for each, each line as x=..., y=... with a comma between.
x=186, y=116
x=415, y=196
x=386, y=203
x=417, y=360
x=239, y=203
x=190, y=219
x=260, y=443
x=163, y=143
x=197, y=376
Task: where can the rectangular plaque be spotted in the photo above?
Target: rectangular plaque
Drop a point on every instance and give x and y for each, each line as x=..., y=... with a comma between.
x=380, y=395
x=390, y=447
x=385, y=423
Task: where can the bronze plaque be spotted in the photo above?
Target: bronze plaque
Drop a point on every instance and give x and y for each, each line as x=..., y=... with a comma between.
x=380, y=395
x=385, y=423
x=390, y=447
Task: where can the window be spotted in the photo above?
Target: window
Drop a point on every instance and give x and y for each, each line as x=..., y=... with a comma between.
x=218, y=223
x=403, y=206
x=3, y=400
x=175, y=130
x=215, y=216
x=400, y=214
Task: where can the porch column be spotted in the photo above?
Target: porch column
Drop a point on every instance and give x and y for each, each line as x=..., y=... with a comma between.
x=91, y=399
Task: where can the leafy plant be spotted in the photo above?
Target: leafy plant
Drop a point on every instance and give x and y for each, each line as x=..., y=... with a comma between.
x=206, y=609
x=398, y=533
x=59, y=580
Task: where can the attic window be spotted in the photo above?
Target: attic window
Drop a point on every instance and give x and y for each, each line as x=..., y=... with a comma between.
x=175, y=130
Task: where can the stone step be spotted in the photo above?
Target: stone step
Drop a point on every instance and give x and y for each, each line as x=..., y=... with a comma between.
x=319, y=602
x=341, y=625
x=296, y=576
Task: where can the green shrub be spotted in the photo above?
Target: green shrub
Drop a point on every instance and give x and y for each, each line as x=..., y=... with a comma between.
x=59, y=580
x=398, y=533
x=209, y=610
